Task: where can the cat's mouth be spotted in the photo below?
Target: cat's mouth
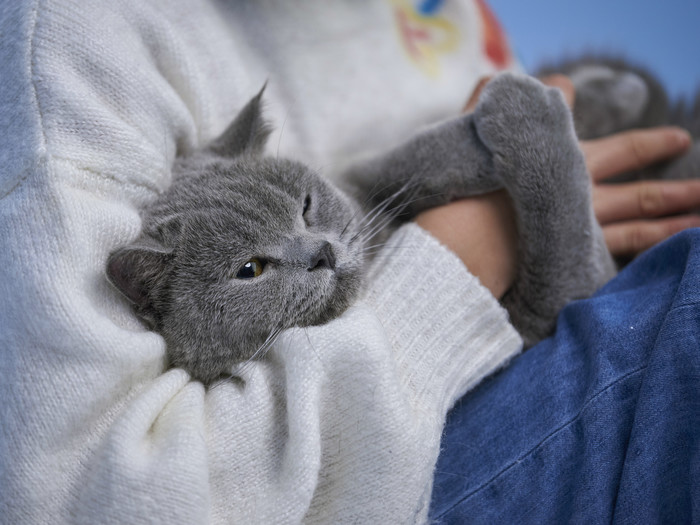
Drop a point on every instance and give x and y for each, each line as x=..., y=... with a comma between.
x=335, y=290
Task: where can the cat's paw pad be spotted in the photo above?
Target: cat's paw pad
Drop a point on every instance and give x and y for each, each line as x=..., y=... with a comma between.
x=516, y=111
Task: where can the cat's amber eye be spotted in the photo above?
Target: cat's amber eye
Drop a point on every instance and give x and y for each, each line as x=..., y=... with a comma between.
x=252, y=268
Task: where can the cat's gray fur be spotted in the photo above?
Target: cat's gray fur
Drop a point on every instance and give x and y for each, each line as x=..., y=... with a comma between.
x=229, y=204
x=614, y=94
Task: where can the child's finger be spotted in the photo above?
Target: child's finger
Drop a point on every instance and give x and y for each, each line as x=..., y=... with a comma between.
x=471, y=103
x=644, y=199
x=633, y=237
x=632, y=150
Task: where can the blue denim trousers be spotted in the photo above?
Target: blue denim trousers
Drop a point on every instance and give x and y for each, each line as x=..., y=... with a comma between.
x=599, y=423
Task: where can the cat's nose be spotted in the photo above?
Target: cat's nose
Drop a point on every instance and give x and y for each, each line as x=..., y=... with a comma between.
x=324, y=258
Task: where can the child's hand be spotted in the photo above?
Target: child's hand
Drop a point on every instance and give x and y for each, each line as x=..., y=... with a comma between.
x=637, y=215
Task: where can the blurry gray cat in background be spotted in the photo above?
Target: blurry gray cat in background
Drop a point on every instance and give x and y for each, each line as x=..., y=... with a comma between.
x=614, y=94
x=243, y=245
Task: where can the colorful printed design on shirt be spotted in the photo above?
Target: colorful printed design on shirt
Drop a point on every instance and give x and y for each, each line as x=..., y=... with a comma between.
x=425, y=34
x=494, y=41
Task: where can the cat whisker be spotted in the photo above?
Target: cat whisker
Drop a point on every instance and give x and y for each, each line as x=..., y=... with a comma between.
x=395, y=251
x=381, y=207
x=377, y=213
x=384, y=204
x=242, y=368
x=313, y=348
x=387, y=219
x=279, y=139
x=365, y=222
x=284, y=123
x=374, y=246
x=409, y=184
x=369, y=232
x=361, y=206
x=350, y=221
x=267, y=344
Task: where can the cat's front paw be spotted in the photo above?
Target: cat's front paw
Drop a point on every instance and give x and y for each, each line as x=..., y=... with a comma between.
x=517, y=113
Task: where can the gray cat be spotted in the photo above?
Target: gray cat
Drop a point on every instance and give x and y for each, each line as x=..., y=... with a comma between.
x=613, y=94
x=243, y=245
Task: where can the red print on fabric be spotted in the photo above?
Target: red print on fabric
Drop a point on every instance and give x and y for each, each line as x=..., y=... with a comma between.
x=494, y=40
x=411, y=34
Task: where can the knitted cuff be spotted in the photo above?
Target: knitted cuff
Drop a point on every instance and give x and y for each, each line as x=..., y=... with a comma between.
x=447, y=330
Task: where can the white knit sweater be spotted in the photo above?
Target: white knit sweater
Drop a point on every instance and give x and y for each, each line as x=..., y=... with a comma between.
x=342, y=422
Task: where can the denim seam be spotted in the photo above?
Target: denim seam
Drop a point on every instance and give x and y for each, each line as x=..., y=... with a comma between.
x=671, y=311
x=545, y=439
x=683, y=306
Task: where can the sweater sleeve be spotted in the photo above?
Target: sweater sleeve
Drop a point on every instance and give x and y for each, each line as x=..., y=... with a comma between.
x=449, y=332
x=340, y=423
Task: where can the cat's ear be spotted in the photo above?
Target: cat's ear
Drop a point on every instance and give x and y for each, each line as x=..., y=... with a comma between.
x=136, y=271
x=248, y=133
x=168, y=228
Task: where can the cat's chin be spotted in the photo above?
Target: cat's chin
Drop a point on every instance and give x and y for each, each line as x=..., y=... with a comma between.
x=346, y=288
x=329, y=313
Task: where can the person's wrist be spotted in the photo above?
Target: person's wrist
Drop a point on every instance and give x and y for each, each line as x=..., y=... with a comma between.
x=481, y=232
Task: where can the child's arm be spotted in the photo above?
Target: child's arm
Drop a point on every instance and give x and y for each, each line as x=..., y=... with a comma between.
x=481, y=232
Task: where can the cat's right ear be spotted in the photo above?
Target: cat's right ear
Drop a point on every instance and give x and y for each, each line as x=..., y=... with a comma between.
x=248, y=133
x=136, y=271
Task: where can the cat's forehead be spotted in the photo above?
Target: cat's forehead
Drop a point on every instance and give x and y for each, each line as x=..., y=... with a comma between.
x=217, y=182
x=240, y=196
x=247, y=202
x=287, y=175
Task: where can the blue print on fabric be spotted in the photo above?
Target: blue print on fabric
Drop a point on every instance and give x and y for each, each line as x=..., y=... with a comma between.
x=429, y=7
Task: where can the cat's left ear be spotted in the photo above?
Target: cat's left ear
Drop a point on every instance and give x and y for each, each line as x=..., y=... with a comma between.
x=138, y=271
x=248, y=133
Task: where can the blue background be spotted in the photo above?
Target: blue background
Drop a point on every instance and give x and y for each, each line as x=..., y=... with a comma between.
x=664, y=35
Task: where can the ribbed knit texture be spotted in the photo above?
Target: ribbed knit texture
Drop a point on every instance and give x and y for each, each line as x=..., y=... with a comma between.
x=468, y=339
x=342, y=422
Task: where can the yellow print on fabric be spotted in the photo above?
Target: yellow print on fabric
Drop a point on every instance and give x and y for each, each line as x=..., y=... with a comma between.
x=424, y=34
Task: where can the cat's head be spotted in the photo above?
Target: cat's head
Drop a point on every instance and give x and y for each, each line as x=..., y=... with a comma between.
x=240, y=247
